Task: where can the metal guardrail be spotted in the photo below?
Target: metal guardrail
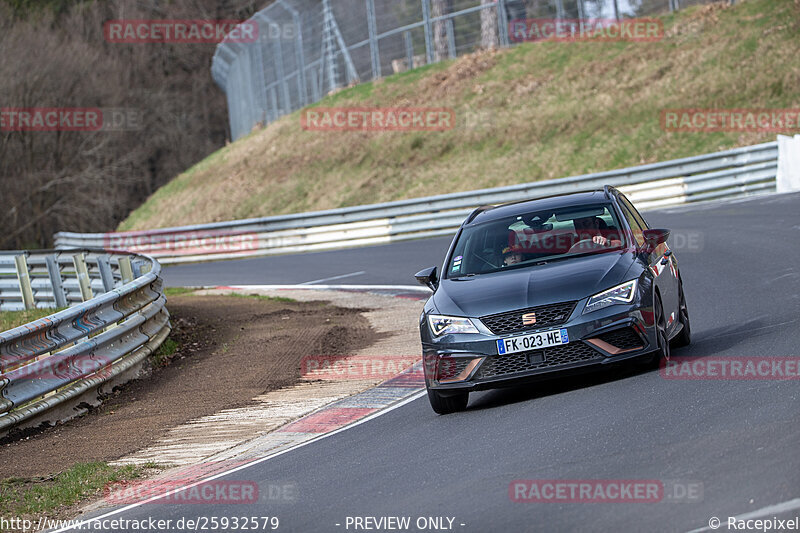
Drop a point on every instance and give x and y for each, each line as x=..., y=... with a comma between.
x=308, y=48
x=51, y=361
x=727, y=174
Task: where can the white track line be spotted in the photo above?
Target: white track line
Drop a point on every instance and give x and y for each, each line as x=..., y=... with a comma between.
x=769, y=511
x=239, y=468
x=350, y=275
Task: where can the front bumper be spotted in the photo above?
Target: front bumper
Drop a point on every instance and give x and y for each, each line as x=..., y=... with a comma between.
x=471, y=362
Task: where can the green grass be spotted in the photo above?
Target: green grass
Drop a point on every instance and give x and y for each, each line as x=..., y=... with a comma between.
x=24, y=497
x=13, y=319
x=534, y=112
x=177, y=291
x=165, y=352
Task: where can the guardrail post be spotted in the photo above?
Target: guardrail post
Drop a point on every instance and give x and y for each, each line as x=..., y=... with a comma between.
x=84, y=282
x=24, y=278
x=126, y=270
x=5, y=404
x=106, y=275
x=54, y=272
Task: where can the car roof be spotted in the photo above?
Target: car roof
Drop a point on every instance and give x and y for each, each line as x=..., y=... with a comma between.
x=489, y=213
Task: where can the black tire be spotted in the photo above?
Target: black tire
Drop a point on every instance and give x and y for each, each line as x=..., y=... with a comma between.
x=444, y=405
x=684, y=338
x=662, y=352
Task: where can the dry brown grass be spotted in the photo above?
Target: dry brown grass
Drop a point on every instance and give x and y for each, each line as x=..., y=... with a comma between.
x=534, y=112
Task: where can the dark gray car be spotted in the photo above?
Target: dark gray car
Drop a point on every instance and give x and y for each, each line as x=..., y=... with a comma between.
x=545, y=286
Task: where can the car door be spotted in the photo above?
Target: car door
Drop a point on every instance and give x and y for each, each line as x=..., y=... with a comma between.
x=660, y=262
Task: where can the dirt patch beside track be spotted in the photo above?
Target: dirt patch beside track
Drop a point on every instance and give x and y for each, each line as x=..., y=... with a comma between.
x=232, y=349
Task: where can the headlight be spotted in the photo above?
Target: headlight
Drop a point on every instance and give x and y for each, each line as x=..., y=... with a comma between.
x=441, y=325
x=621, y=294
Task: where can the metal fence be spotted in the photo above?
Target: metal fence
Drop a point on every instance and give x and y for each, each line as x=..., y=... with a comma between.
x=729, y=174
x=308, y=48
x=66, y=358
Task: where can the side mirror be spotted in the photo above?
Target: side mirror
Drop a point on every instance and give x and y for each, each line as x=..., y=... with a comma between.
x=428, y=278
x=654, y=237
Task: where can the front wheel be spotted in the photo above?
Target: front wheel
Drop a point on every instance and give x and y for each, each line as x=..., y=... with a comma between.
x=662, y=352
x=444, y=405
x=684, y=338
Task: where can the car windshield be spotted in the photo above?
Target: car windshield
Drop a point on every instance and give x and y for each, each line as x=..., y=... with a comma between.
x=535, y=238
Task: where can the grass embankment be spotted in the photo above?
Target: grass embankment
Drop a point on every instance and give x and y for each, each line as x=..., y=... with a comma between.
x=13, y=319
x=25, y=498
x=534, y=112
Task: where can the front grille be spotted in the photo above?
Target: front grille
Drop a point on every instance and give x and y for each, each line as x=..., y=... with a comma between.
x=546, y=316
x=451, y=367
x=623, y=338
x=501, y=365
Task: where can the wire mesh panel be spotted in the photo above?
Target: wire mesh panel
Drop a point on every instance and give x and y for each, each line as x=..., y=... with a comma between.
x=307, y=48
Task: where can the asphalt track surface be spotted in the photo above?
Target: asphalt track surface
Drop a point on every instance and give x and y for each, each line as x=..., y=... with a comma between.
x=739, y=439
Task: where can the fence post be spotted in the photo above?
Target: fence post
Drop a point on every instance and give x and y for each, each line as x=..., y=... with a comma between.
x=82, y=273
x=54, y=272
x=409, y=49
x=426, y=17
x=372, y=27
x=502, y=20
x=328, y=58
x=560, y=9
x=24, y=279
x=281, y=72
x=302, y=81
x=451, y=39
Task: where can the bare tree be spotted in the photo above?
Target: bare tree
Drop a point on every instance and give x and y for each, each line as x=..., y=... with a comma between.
x=90, y=180
x=489, y=26
x=440, y=45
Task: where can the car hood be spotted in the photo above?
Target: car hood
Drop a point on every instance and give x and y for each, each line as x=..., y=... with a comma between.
x=566, y=280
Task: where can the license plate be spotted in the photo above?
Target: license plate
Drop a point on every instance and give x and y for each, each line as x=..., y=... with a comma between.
x=534, y=341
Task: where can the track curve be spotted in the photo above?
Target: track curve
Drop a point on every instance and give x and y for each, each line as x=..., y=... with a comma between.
x=739, y=439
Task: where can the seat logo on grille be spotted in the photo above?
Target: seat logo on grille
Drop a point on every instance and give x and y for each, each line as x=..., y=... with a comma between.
x=529, y=319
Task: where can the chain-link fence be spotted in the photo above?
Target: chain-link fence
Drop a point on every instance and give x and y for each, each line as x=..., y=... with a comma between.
x=307, y=48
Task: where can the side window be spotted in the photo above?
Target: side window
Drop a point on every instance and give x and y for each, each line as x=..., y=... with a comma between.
x=636, y=228
x=639, y=218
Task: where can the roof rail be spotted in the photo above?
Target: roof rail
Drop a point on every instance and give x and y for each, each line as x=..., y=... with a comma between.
x=477, y=212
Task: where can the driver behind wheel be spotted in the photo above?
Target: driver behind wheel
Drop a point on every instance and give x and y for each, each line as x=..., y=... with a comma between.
x=591, y=229
x=512, y=255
